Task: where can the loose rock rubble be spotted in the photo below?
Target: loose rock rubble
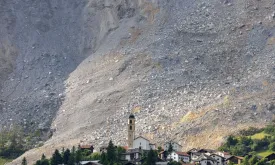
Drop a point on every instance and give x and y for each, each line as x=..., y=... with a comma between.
x=189, y=70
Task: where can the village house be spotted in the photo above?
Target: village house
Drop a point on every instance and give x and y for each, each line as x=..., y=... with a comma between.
x=133, y=155
x=204, y=159
x=176, y=146
x=207, y=151
x=179, y=156
x=223, y=154
x=219, y=159
x=235, y=159
x=208, y=156
x=270, y=157
x=194, y=154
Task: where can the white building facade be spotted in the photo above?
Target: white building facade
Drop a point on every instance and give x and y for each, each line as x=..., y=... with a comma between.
x=179, y=156
x=143, y=143
x=220, y=160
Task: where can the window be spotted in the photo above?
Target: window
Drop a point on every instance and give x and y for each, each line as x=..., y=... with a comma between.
x=130, y=121
x=130, y=127
x=140, y=143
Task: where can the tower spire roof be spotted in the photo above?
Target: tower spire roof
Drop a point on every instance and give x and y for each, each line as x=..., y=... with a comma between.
x=132, y=116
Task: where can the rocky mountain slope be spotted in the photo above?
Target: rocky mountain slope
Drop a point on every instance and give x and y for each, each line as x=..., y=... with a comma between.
x=195, y=71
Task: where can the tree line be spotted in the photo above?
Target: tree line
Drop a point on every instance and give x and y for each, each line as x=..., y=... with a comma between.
x=12, y=144
x=16, y=140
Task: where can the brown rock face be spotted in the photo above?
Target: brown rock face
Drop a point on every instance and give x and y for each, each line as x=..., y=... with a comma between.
x=195, y=71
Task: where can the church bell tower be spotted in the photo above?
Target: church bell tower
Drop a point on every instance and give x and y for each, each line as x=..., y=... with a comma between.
x=131, y=130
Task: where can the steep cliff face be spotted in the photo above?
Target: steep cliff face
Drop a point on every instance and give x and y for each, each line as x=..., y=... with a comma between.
x=41, y=43
x=189, y=70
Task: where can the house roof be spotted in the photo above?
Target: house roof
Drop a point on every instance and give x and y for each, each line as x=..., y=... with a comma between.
x=270, y=155
x=226, y=153
x=142, y=138
x=131, y=116
x=238, y=157
x=136, y=150
x=93, y=162
x=207, y=150
x=217, y=155
x=182, y=153
x=87, y=146
x=129, y=163
x=196, y=153
x=206, y=157
x=125, y=147
x=192, y=150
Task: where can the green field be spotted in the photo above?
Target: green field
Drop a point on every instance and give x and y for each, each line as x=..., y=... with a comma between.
x=3, y=161
x=259, y=136
x=264, y=153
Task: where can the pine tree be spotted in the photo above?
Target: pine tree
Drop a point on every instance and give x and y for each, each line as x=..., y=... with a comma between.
x=103, y=159
x=78, y=156
x=170, y=148
x=44, y=160
x=43, y=157
x=24, y=161
x=72, y=157
x=38, y=162
x=151, y=158
x=119, y=151
x=56, y=158
x=111, y=153
x=66, y=156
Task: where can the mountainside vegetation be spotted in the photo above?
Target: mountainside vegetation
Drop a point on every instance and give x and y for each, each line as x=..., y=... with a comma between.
x=3, y=161
x=15, y=141
x=254, y=144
